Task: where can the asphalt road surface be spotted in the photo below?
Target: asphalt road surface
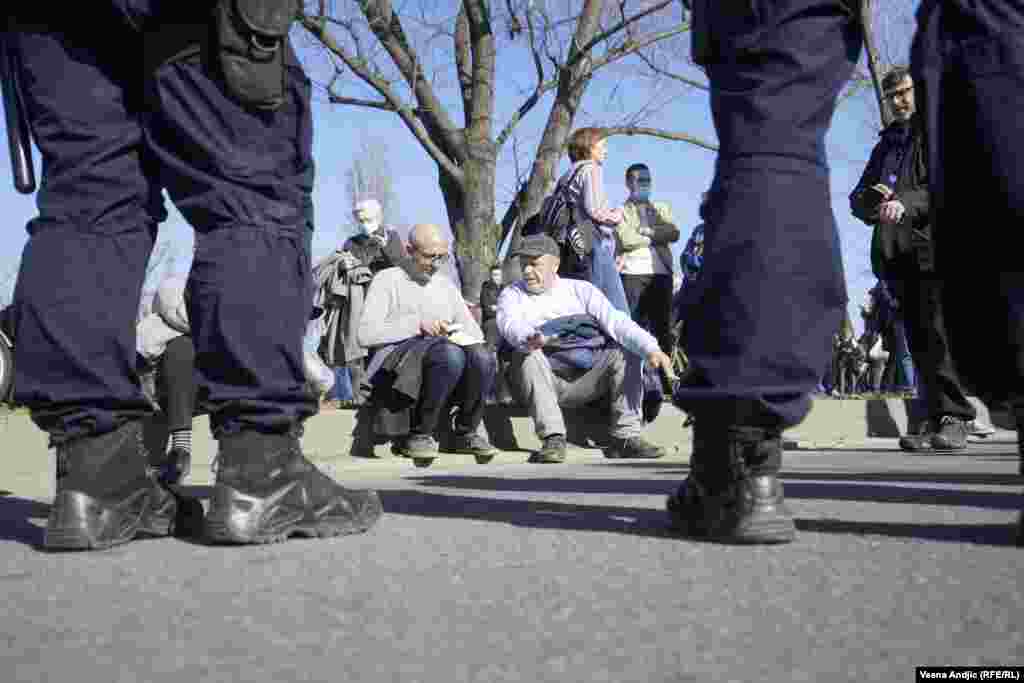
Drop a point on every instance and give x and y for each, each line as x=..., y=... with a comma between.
x=517, y=572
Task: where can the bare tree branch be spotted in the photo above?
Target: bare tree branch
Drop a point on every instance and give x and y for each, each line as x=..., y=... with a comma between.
x=669, y=74
x=482, y=48
x=463, y=60
x=409, y=116
x=388, y=28
x=605, y=35
x=356, y=102
x=660, y=133
x=633, y=46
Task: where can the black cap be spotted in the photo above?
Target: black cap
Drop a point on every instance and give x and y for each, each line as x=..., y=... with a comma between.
x=537, y=245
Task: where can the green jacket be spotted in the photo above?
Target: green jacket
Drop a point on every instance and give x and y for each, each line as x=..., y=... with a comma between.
x=665, y=232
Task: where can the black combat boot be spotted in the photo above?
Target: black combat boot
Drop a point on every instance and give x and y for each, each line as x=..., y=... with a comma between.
x=733, y=493
x=106, y=494
x=266, y=491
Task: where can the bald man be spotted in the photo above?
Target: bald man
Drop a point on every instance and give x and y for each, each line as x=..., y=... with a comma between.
x=409, y=321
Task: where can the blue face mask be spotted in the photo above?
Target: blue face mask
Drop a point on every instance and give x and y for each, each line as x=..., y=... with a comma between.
x=641, y=190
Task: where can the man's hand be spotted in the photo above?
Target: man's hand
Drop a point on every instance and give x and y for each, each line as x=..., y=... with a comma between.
x=891, y=212
x=660, y=361
x=433, y=328
x=884, y=189
x=349, y=261
x=536, y=341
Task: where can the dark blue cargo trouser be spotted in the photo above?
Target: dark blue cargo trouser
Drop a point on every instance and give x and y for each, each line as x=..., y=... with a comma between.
x=771, y=293
x=968, y=68
x=113, y=137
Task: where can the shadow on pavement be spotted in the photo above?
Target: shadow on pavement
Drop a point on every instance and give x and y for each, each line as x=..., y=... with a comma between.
x=962, y=478
x=980, y=534
x=654, y=522
x=529, y=513
x=819, y=487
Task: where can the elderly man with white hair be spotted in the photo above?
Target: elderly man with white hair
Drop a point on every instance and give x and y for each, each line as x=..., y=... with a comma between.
x=342, y=281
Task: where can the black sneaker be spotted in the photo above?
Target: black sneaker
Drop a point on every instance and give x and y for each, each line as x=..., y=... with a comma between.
x=416, y=446
x=475, y=445
x=746, y=504
x=951, y=434
x=633, y=447
x=921, y=440
x=551, y=451
x=267, y=491
x=106, y=494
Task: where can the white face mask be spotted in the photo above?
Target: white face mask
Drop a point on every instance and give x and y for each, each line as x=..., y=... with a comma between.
x=368, y=226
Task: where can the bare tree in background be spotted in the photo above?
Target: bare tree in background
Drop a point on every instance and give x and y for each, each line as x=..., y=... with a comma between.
x=437, y=70
x=369, y=177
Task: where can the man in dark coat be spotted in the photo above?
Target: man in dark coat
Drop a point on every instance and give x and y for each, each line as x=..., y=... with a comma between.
x=489, y=306
x=893, y=197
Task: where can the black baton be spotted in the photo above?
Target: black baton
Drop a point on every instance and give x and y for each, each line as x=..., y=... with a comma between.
x=19, y=143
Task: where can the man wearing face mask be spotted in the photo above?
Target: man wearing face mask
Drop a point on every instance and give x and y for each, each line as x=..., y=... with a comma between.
x=645, y=233
x=342, y=281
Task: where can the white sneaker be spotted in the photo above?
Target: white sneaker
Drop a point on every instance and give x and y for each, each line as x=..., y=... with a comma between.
x=978, y=428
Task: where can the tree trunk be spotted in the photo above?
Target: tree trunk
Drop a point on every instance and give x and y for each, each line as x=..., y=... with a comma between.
x=470, y=207
x=545, y=164
x=572, y=83
x=874, y=67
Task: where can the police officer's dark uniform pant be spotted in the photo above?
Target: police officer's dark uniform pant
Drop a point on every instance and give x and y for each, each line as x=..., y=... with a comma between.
x=968, y=63
x=772, y=290
x=238, y=177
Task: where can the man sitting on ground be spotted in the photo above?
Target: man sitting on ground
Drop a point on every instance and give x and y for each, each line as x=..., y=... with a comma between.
x=416, y=323
x=538, y=317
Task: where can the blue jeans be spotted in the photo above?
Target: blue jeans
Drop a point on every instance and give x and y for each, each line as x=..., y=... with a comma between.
x=901, y=356
x=342, y=385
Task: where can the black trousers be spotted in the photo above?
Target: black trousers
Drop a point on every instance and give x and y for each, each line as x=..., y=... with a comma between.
x=968, y=66
x=920, y=297
x=176, y=383
x=650, y=303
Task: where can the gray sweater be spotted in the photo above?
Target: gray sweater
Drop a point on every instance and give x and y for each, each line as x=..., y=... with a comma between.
x=396, y=305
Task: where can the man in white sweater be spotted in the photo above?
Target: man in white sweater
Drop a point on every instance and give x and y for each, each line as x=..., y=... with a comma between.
x=541, y=297
x=405, y=305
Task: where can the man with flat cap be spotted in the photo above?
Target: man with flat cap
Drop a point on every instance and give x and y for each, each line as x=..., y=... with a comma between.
x=568, y=346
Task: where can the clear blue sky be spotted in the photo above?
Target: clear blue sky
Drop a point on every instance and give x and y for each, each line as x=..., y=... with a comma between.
x=681, y=171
